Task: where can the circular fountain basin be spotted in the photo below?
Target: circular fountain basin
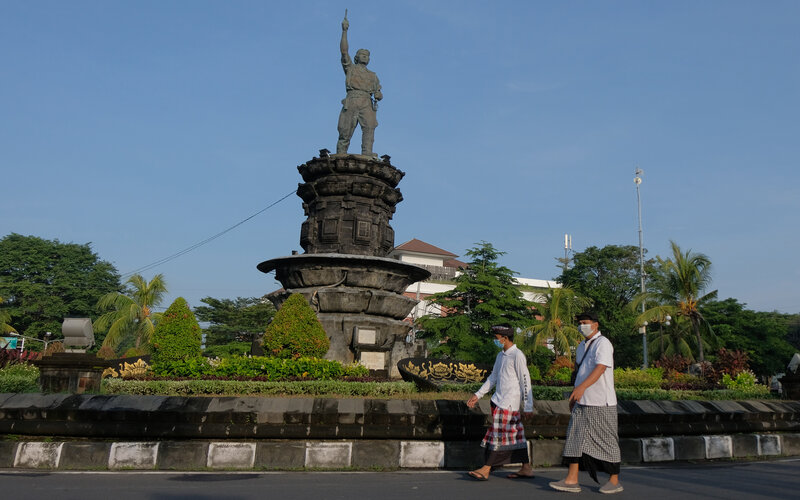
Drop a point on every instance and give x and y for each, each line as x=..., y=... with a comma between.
x=333, y=269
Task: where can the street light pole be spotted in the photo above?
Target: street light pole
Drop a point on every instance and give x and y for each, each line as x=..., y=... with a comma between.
x=643, y=328
x=46, y=340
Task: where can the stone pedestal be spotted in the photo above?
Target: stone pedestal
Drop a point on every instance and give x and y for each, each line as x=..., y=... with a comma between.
x=791, y=385
x=75, y=373
x=345, y=275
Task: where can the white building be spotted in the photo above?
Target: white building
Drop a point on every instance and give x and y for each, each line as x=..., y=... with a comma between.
x=444, y=266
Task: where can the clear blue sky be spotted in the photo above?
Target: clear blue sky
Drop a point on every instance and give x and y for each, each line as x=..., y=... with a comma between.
x=144, y=127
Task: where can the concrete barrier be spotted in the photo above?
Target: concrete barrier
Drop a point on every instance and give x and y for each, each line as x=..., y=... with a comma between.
x=195, y=433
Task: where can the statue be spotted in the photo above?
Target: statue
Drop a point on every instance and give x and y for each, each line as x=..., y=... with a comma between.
x=361, y=103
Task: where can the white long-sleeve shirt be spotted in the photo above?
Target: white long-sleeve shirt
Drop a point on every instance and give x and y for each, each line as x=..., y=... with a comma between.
x=512, y=380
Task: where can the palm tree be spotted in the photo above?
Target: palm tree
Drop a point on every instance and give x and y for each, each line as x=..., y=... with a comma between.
x=131, y=313
x=5, y=317
x=679, y=293
x=557, y=322
x=671, y=340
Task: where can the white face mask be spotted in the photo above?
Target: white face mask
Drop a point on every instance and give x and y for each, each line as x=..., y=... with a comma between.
x=585, y=330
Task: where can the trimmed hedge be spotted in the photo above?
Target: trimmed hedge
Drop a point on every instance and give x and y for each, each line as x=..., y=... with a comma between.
x=295, y=331
x=272, y=369
x=551, y=393
x=177, y=335
x=634, y=378
x=254, y=388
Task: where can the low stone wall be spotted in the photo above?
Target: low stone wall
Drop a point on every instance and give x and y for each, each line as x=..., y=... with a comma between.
x=168, y=417
x=153, y=431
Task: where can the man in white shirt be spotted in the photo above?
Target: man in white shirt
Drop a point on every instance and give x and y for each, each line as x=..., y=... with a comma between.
x=505, y=439
x=592, y=440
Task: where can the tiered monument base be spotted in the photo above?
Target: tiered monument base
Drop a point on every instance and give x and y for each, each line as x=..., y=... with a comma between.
x=345, y=275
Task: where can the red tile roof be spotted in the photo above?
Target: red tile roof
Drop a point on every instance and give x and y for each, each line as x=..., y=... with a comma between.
x=454, y=263
x=416, y=245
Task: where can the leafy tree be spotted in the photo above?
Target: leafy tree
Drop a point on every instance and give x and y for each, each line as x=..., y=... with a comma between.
x=295, y=331
x=484, y=296
x=5, y=317
x=44, y=281
x=233, y=324
x=131, y=315
x=557, y=323
x=177, y=336
x=679, y=292
x=762, y=335
x=610, y=278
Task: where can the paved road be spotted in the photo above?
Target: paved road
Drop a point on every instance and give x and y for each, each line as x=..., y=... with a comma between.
x=729, y=481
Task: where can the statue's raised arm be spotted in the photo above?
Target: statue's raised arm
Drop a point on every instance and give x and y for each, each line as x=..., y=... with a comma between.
x=363, y=92
x=343, y=46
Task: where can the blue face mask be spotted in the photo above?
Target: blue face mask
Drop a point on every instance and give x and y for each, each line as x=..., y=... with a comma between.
x=498, y=343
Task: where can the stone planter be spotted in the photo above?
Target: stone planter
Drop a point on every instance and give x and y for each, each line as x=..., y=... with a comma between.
x=75, y=373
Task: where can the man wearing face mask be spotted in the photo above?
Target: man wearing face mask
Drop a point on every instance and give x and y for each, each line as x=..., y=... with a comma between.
x=505, y=440
x=592, y=440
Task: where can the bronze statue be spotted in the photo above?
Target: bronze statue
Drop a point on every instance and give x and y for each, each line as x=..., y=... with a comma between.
x=361, y=103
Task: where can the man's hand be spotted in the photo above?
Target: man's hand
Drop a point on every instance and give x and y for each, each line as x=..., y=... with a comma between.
x=472, y=401
x=575, y=396
x=345, y=24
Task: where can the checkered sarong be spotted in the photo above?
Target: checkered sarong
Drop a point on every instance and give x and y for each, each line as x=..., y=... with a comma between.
x=593, y=430
x=506, y=432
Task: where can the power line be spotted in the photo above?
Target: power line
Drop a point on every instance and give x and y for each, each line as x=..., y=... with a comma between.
x=201, y=243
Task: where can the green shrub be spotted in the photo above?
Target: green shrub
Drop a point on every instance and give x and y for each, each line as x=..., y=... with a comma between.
x=177, y=335
x=563, y=374
x=253, y=388
x=540, y=392
x=634, y=378
x=227, y=350
x=559, y=365
x=295, y=331
x=743, y=381
x=535, y=373
x=191, y=368
x=549, y=393
x=262, y=367
x=19, y=377
x=469, y=387
x=106, y=352
x=647, y=393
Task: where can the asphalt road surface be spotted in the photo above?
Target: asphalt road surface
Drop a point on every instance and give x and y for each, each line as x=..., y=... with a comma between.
x=729, y=481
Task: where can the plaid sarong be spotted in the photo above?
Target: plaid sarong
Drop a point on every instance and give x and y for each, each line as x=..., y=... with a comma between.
x=506, y=432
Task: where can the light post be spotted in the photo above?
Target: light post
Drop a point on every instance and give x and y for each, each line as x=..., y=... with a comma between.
x=46, y=340
x=642, y=329
x=666, y=321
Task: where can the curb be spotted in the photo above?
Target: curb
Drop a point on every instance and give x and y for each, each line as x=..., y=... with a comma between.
x=361, y=454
